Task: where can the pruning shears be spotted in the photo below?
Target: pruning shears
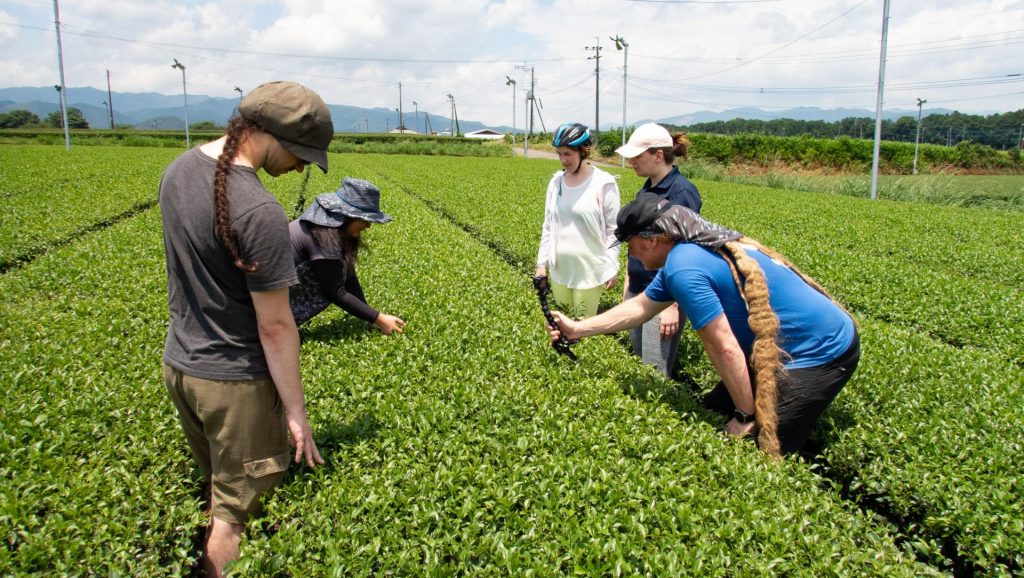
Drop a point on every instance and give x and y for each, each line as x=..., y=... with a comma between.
x=561, y=345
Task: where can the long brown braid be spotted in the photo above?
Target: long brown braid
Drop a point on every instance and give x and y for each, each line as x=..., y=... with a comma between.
x=238, y=129
x=766, y=358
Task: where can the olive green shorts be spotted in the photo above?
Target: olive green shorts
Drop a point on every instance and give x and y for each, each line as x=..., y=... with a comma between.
x=238, y=434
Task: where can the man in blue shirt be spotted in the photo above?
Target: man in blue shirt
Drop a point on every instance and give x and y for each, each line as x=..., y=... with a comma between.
x=781, y=346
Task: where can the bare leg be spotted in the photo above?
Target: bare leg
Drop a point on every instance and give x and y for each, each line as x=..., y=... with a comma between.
x=222, y=540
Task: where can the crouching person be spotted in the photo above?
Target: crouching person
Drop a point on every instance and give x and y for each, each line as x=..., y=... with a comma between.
x=782, y=347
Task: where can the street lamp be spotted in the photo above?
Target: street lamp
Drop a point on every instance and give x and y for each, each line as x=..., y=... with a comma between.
x=416, y=114
x=917, y=139
x=509, y=81
x=184, y=92
x=239, y=91
x=63, y=110
x=621, y=44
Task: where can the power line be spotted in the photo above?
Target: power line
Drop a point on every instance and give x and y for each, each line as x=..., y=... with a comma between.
x=787, y=45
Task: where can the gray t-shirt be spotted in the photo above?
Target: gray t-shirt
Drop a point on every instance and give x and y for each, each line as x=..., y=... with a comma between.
x=213, y=332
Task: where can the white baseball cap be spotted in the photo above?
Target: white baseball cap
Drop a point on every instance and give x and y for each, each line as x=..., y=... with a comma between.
x=646, y=136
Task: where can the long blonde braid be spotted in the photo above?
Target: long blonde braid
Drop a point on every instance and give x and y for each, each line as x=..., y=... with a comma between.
x=766, y=357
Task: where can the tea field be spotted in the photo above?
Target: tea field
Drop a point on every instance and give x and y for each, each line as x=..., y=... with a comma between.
x=466, y=446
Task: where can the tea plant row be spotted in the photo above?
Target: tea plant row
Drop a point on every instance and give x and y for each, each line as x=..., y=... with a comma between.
x=50, y=196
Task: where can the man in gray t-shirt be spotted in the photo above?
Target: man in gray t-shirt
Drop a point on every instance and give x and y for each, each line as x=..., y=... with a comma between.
x=231, y=359
x=213, y=331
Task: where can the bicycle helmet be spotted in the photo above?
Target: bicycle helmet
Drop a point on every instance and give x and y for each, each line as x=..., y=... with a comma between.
x=571, y=134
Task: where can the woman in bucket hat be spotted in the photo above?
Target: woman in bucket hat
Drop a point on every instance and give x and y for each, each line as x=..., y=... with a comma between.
x=782, y=347
x=580, y=206
x=326, y=240
x=231, y=359
x=651, y=152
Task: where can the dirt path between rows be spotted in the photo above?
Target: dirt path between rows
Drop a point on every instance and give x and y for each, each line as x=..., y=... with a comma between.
x=551, y=155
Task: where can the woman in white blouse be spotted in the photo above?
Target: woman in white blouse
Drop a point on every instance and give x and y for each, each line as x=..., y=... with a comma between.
x=580, y=209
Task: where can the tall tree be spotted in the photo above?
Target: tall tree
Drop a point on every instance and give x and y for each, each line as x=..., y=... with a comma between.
x=75, y=119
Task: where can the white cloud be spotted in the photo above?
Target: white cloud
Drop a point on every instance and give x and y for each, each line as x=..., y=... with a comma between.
x=682, y=57
x=8, y=28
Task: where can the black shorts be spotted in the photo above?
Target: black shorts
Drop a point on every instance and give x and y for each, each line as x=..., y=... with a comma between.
x=803, y=395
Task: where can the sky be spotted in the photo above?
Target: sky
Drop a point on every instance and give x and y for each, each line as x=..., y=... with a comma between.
x=682, y=56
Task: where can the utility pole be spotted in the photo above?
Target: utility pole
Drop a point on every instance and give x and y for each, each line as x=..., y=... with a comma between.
x=917, y=139
x=621, y=44
x=366, y=124
x=510, y=82
x=597, y=89
x=110, y=101
x=455, y=116
x=60, y=87
x=1020, y=137
x=416, y=114
x=401, y=122
x=529, y=103
x=239, y=91
x=184, y=92
x=878, y=104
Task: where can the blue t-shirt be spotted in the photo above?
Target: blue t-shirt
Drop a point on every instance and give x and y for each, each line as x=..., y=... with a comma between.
x=812, y=329
x=679, y=191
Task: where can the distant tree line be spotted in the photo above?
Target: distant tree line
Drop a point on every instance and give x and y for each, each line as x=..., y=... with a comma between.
x=76, y=119
x=27, y=119
x=999, y=131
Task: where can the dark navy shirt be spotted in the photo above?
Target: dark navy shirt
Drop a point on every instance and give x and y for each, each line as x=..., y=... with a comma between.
x=679, y=191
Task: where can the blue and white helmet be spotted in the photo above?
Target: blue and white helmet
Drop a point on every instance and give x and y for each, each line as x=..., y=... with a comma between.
x=571, y=134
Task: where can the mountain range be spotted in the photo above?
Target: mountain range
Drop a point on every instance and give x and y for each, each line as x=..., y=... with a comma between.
x=161, y=111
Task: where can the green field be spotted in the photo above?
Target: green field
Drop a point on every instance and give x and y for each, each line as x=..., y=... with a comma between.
x=466, y=446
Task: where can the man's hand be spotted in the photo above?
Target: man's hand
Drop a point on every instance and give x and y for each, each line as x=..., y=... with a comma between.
x=302, y=440
x=738, y=429
x=566, y=325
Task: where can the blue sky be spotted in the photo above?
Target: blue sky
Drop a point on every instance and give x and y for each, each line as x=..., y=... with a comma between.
x=683, y=56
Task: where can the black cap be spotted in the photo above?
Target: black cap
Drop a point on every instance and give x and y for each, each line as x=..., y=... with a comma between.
x=639, y=216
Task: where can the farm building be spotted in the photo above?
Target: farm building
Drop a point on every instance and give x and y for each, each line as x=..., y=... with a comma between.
x=485, y=134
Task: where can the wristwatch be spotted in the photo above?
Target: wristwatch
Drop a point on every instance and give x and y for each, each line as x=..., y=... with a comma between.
x=743, y=417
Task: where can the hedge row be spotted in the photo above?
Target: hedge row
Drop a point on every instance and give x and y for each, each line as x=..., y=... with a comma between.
x=844, y=153
x=95, y=478
x=51, y=195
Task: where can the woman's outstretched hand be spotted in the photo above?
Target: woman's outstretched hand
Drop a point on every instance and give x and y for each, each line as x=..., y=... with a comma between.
x=389, y=324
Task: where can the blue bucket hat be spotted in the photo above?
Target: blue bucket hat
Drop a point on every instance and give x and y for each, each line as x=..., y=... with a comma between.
x=355, y=199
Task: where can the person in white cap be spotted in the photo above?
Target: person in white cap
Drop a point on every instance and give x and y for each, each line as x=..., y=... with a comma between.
x=651, y=152
x=231, y=359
